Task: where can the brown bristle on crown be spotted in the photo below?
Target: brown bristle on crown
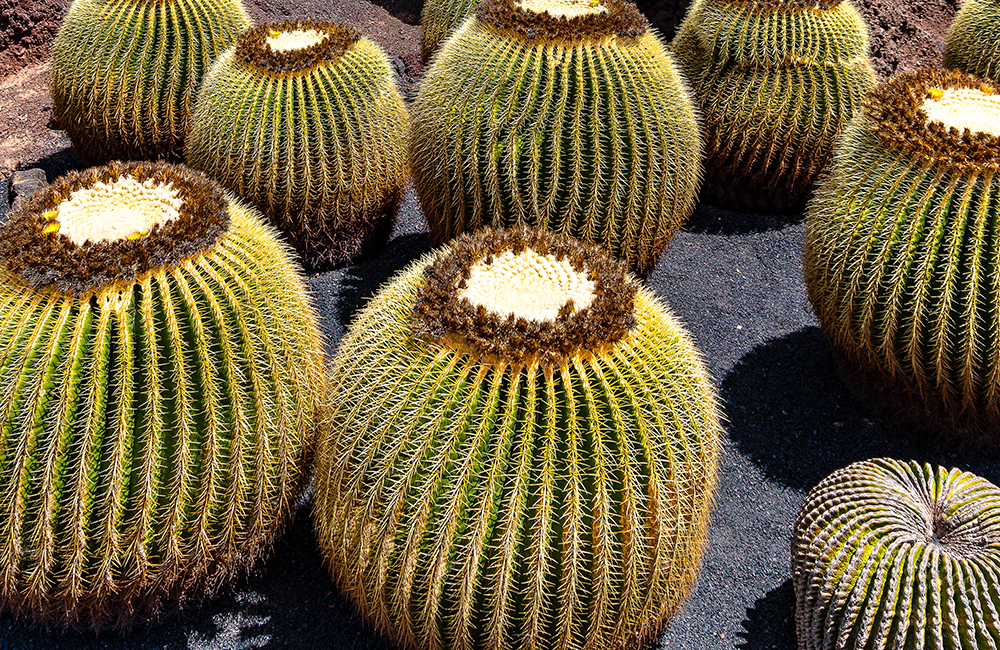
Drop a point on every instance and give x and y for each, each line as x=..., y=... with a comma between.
x=895, y=114
x=619, y=18
x=252, y=46
x=787, y=5
x=440, y=313
x=43, y=257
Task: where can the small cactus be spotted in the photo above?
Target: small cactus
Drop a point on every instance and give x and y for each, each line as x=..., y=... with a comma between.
x=521, y=453
x=973, y=43
x=125, y=72
x=159, y=376
x=303, y=120
x=438, y=19
x=568, y=115
x=888, y=554
x=775, y=81
x=902, y=252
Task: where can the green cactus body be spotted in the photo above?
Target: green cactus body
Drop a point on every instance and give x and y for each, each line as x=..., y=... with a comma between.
x=579, y=125
x=903, y=256
x=775, y=82
x=521, y=453
x=973, y=43
x=888, y=554
x=438, y=19
x=303, y=120
x=160, y=367
x=125, y=72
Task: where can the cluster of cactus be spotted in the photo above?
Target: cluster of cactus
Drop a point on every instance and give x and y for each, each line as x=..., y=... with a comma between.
x=521, y=451
x=570, y=115
x=901, y=251
x=303, y=120
x=775, y=81
x=125, y=72
x=160, y=371
x=888, y=554
x=973, y=43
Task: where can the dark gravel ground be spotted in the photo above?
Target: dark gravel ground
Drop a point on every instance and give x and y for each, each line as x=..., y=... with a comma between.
x=736, y=281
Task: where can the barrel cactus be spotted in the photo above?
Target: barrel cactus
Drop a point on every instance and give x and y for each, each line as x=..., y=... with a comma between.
x=888, y=554
x=902, y=256
x=303, y=120
x=125, y=72
x=775, y=80
x=438, y=19
x=973, y=43
x=521, y=451
x=159, y=378
x=568, y=115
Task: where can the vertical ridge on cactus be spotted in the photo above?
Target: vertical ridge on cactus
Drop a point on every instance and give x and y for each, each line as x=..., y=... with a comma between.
x=897, y=555
x=579, y=125
x=973, y=41
x=438, y=19
x=496, y=475
x=158, y=391
x=302, y=119
x=125, y=72
x=775, y=82
x=901, y=252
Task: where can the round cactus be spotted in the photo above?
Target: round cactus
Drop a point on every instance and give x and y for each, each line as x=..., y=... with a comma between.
x=775, y=80
x=438, y=19
x=125, y=72
x=568, y=115
x=521, y=452
x=303, y=120
x=973, y=43
x=888, y=554
x=902, y=256
x=159, y=378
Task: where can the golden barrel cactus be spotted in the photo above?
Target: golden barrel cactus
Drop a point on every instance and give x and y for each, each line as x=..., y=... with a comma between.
x=775, y=81
x=973, y=43
x=903, y=253
x=521, y=453
x=160, y=371
x=891, y=554
x=568, y=115
x=125, y=72
x=438, y=19
x=303, y=120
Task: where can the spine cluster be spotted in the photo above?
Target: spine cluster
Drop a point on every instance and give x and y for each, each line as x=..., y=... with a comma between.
x=973, y=43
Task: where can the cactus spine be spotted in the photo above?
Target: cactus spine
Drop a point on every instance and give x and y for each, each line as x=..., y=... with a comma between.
x=902, y=254
x=521, y=453
x=565, y=114
x=438, y=19
x=303, y=120
x=888, y=554
x=775, y=81
x=125, y=72
x=973, y=43
x=160, y=367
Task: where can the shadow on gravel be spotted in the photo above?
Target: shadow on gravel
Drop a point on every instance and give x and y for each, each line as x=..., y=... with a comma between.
x=790, y=413
x=711, y=220
x=287, y=601
x=770, y=624
x=362, y=280
x=407, y=11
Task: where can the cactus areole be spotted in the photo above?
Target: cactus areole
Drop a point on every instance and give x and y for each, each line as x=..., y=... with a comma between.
x=112, y=224
x=524, y=294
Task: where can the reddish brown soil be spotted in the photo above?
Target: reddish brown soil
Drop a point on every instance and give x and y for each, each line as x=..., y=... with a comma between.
x=906, y=34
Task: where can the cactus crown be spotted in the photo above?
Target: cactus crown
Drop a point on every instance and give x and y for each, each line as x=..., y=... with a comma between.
x=111, y=224
x=943, y=117
x=564, y=20
x=524, y=295
x=788, y=5
x=294, y=45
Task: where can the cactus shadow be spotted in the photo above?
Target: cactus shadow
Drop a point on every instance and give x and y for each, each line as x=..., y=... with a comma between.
x=363, y=279
x=711, y=220
x=792, y=415
x=770, y=623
